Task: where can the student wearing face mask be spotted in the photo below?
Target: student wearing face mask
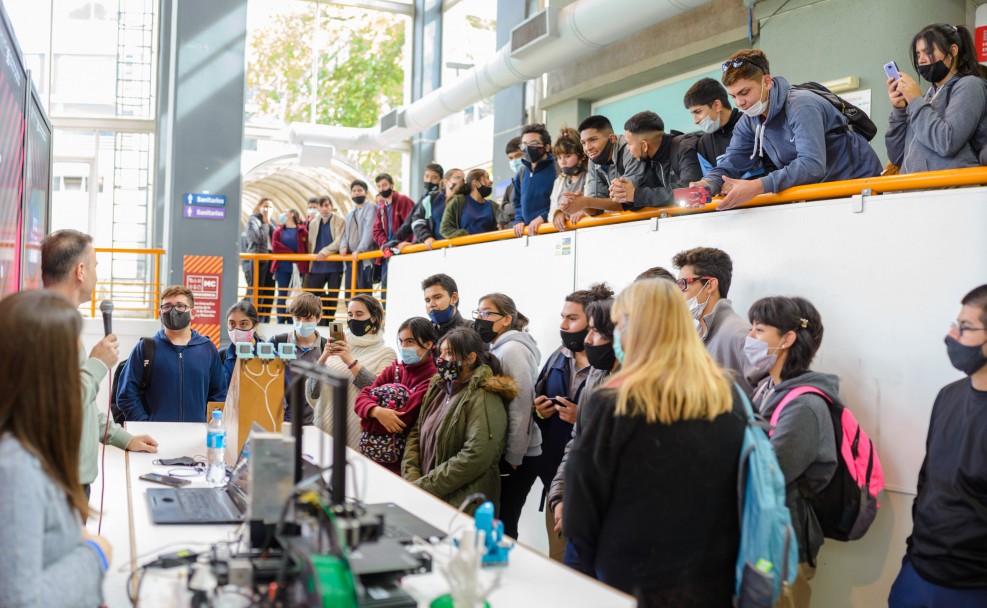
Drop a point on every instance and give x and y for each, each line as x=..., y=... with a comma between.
x=708, y=103
x=785, y=336
x=291, y=236
x=426, y=216
x=442, y=304
x=358, y=237
x=306, y=312
x=946, y=557
x=604, y=361
x=534, y=180
x=325, y=236
x=470, y=211
x=499, y=324
x=704, y=278
x=558, y=392
x=505, y=214
x=945, y=128
x=241, y=326
x=360, y=355
x=257, y=237
x=799, y=131
x=388, y=408
x=186, y=372
x=572, y=161
x=454, y=449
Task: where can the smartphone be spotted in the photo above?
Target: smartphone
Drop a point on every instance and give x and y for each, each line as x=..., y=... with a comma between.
x=336, y=331
x=167, y=480
x=891, y=69
x=691, y=197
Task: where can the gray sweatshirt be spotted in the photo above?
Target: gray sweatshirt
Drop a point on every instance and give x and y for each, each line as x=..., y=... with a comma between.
x=724, y=339
x=943, y=130
x=44, y=561
x=805, y=445
x=358, y=234
x=519, y=356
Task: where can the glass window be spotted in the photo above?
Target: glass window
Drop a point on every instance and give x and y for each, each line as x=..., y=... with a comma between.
x=469, y=38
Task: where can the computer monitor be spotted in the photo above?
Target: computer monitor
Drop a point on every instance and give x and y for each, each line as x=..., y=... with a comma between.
x=35, y=209
x=13, y=98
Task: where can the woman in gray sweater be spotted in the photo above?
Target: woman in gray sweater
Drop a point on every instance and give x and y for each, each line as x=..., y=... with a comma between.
x=48, y=557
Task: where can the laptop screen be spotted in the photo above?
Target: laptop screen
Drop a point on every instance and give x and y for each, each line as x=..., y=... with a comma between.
x=238, y=486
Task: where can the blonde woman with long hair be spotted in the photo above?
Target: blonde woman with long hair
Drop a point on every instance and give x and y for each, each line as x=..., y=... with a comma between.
x=651, y=482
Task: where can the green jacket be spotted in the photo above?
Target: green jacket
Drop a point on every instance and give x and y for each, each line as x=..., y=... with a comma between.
x=94, y=420
x=470, y=439
x=453, y=214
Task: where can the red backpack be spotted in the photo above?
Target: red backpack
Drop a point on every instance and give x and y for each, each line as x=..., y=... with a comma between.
x=847, y=506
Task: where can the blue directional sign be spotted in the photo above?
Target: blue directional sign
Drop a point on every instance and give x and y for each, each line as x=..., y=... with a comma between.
x=215, y=200
x=204, y=212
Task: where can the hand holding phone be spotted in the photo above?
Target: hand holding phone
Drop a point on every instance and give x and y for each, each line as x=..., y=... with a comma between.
x=166, y=480
x=336, y=331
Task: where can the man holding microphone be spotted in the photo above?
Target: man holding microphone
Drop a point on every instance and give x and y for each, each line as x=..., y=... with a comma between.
x=68, y=268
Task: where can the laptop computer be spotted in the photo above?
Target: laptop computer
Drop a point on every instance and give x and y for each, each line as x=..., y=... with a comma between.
x=402, y=526
x=226, y=505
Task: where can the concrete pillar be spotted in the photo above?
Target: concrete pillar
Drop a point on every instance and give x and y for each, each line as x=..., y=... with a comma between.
x=200, y=132
x=426, y=76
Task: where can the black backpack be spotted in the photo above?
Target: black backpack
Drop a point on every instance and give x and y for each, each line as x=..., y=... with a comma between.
x=148, y=350
x=857, y=120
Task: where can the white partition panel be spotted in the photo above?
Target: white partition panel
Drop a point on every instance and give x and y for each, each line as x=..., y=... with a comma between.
x=886, y=273
x=536, y=272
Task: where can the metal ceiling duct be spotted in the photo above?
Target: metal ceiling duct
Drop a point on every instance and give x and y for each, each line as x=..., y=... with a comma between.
x=582, y=27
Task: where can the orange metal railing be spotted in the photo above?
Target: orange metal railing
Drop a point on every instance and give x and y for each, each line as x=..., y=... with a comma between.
x=256, y=292
x=132, y=298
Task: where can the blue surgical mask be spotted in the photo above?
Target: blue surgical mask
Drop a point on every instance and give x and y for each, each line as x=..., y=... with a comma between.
x=515, y=165
x=304, y=329
x=409, y=355
x=617, y=349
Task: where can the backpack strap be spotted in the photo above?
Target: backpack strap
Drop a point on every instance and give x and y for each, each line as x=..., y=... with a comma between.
x=793, y=394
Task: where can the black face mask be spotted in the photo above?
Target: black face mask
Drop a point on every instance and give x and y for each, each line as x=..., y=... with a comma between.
x=967, y=359
x=573, y=170
x=359, y=328
x=484, y=327
x=534, y=154
x=430, y=187
x=934, y=72
x=176, y=321
x=602, y=356
x=359, y=200
x=604, y=156
x=485, y=191
x=387, y=193
x=574, y=341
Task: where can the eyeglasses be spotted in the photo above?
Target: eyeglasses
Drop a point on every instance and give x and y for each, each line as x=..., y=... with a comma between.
x=684, y=283
x=961, y=329
x=736, y=63
x=178, y=307
x=524, y=147
x=483, y=314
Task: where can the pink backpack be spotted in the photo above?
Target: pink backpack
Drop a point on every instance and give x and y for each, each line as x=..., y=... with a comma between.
x=847, y=506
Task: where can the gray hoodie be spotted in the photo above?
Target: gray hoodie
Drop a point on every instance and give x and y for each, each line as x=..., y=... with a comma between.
x=44, y=561
x=943, y=130
x=518, y=354
x=805, y=445
x=724, y=339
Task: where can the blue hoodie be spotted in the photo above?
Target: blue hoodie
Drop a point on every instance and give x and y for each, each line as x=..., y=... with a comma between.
x=804, y=136
x=183, y=380
x=533, y=190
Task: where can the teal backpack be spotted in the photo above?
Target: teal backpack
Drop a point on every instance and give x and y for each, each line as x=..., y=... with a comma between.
x=768, y=558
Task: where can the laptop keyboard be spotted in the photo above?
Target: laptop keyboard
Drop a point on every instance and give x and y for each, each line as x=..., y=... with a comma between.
x=200, y=506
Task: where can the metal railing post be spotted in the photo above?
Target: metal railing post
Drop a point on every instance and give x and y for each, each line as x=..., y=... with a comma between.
x=256, y=300
x=157, y=285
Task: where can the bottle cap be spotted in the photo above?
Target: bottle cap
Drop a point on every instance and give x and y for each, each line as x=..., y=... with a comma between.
x=217, y=413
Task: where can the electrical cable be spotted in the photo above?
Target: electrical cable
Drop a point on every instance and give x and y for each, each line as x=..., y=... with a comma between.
x=102, y=460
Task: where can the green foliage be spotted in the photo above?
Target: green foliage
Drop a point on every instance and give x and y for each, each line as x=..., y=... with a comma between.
x=359, y=68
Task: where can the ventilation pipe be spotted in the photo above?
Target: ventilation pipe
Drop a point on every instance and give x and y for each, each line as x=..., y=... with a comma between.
x=551, y=39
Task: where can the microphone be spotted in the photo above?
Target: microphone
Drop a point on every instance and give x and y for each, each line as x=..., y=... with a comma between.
x=106, y=307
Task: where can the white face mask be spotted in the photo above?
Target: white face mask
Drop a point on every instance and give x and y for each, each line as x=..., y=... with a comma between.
x=757, y=354
x=708, y=125
x=241, y=335
x=696, y=307
x=759, y=107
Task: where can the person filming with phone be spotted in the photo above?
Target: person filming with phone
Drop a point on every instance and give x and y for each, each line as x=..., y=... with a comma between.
x=945, y=128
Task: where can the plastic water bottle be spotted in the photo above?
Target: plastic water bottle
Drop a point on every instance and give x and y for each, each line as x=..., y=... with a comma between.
x=216, y=450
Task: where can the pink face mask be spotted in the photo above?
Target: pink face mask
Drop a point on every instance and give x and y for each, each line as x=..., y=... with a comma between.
x=241, y=335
